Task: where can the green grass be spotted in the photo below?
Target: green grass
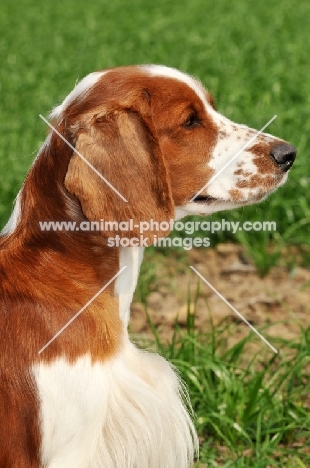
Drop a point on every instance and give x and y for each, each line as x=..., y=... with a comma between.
x=253, y=57
x=251, y=407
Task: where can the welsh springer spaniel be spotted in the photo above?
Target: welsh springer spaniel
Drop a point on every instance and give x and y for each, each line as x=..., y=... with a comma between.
x=91, y=399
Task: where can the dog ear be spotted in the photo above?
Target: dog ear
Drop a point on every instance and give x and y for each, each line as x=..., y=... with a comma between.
x=123, y=148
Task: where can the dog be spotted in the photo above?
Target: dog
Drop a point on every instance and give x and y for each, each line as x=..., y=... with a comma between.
x=135, y=143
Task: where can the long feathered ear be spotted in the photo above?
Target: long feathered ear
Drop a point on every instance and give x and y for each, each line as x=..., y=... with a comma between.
x=122, y=146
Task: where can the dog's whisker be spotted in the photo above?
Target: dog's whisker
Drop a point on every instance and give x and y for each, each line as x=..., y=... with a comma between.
x=218, y=173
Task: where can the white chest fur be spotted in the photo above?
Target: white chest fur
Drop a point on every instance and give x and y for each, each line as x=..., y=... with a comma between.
x=126, y=283
x=125, y=413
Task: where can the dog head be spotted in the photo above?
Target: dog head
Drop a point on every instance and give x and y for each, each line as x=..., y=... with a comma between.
x=154, y=135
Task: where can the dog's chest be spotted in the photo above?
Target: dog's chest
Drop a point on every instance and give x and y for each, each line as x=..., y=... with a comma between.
x=73, y=402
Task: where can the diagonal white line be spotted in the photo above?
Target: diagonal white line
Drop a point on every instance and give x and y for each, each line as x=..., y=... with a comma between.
x=235, y=310
x=84, y=159
x=83, y=308
x=233, y=158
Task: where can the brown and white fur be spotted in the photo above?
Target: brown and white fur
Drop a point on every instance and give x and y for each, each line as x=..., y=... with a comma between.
x=92, y=399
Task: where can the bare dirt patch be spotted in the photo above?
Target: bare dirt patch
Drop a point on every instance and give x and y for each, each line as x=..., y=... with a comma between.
x=280, y=300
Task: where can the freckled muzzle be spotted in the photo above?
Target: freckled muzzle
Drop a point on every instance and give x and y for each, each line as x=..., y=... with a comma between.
x=284, y=155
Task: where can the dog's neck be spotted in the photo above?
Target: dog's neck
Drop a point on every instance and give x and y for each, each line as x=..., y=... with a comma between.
x=126, y=283
x=63, y=255
x=28, y=212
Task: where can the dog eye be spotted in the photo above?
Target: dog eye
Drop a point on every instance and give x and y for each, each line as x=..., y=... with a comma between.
x=192, y=121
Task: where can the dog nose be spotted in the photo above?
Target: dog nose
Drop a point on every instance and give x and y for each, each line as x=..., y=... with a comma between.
x=284, y=155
